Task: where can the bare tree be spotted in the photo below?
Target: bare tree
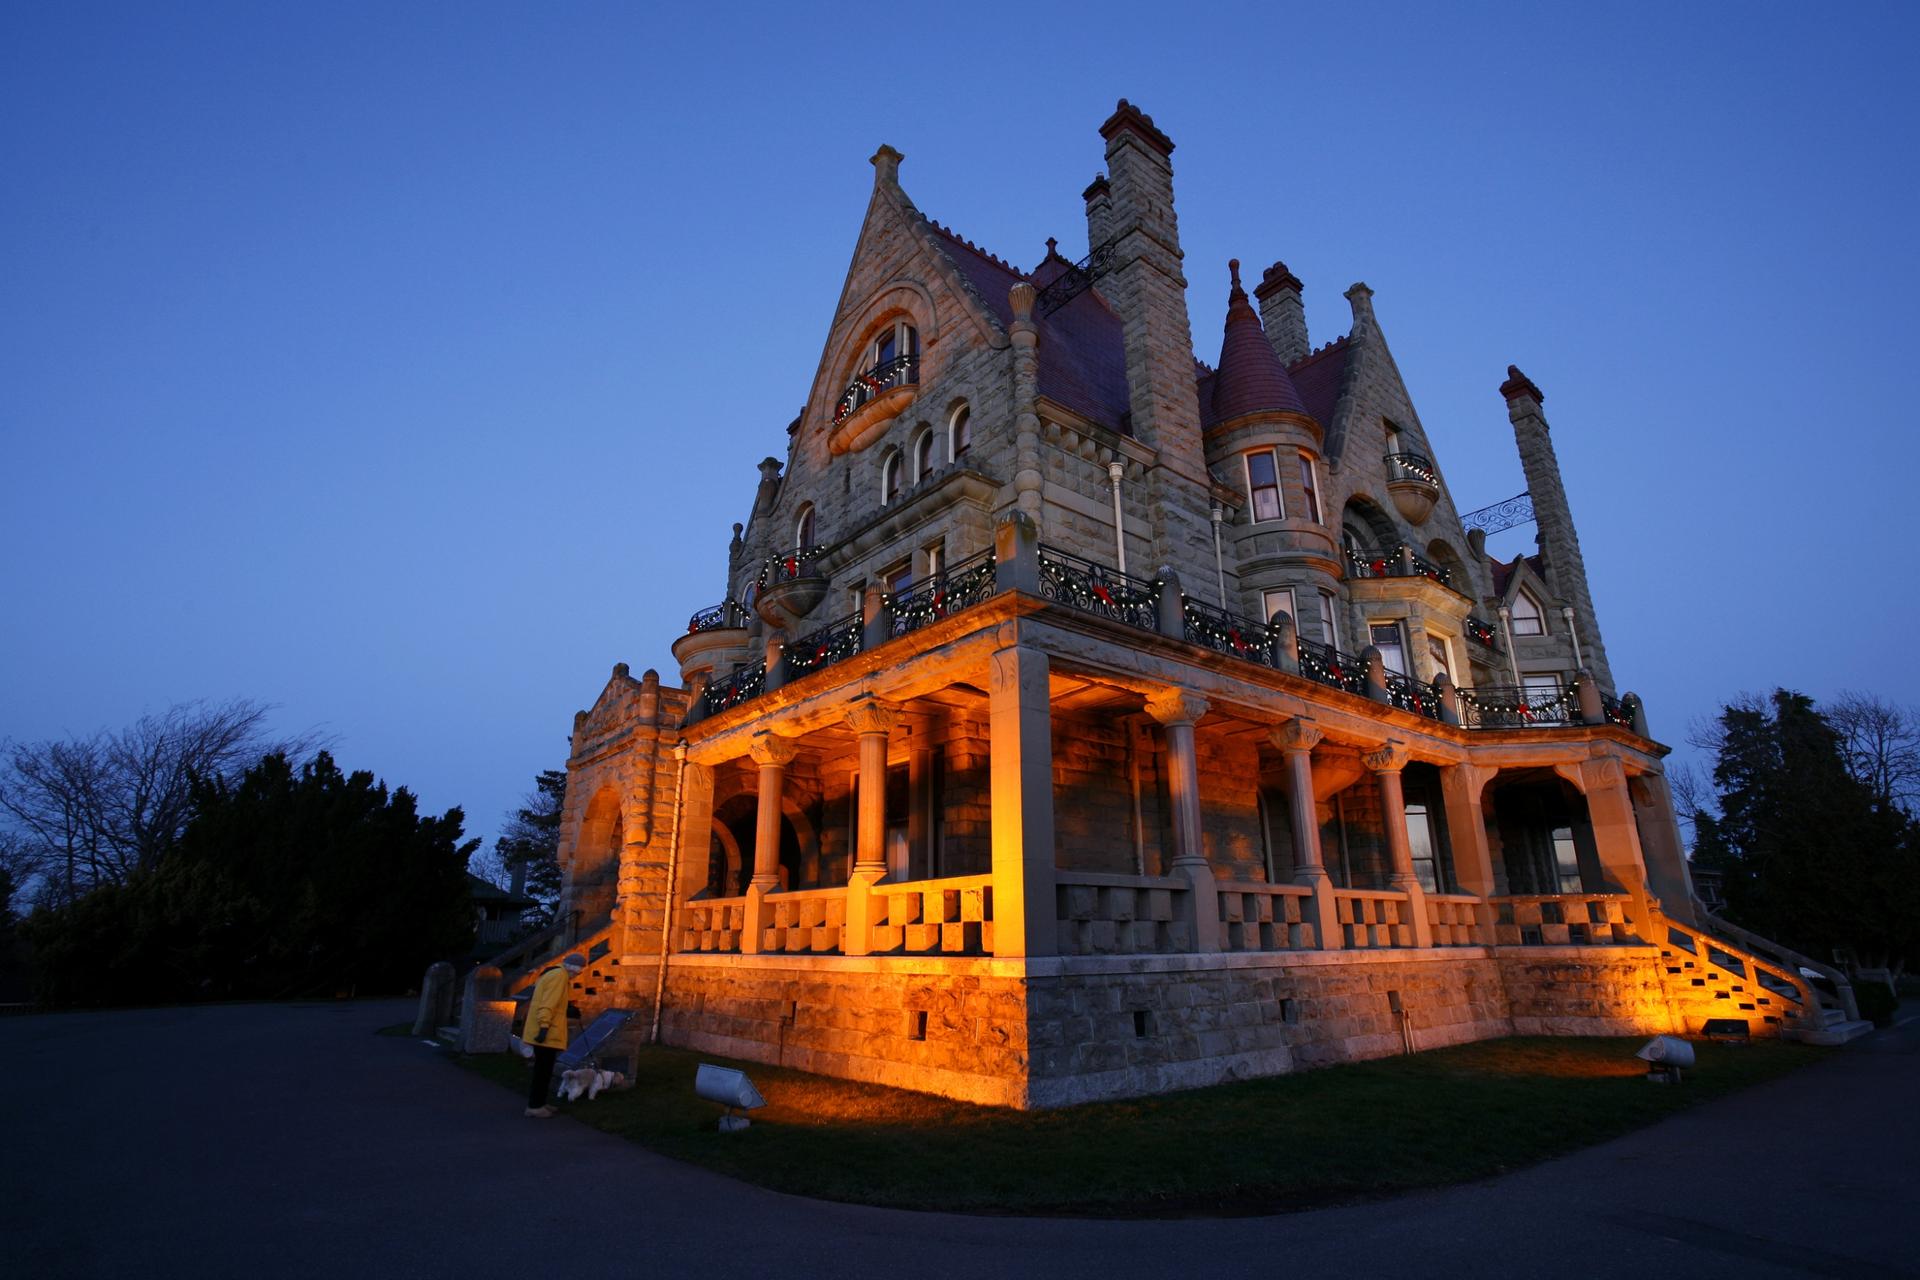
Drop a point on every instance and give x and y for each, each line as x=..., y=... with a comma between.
x=1882, y=745
x=83, y=812
x=1692, y=795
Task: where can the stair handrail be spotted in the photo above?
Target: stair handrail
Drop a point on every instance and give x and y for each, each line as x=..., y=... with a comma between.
x=1807, y=994
x=510, y=959
x=1842, y=986
x=589, y=946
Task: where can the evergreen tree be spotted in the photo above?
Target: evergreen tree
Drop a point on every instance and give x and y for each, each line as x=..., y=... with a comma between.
x=529, y=843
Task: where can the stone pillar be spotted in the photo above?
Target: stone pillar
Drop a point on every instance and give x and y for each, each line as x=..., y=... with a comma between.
x=1283, y=643
x=1668, y=874
x=1461, y=788
x=1296, y=740
x=921, y=825
x=871, y=720
x=1016, y=554
x=1020, y=775
x=1025, y=335
x=1616, y=837
x=1177, y=710
x=1387, y=763
x=772, y=754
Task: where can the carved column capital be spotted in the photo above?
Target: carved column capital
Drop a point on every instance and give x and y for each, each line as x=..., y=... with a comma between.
x=1391, y=757
x=870, y=715
x=1176, y=706
x=1297, y=734
x=770, y=749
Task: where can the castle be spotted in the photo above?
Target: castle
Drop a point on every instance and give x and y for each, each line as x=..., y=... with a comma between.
x=1081, y=720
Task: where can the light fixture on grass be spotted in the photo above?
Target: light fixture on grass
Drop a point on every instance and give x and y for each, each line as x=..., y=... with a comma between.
x=732, y=1090
x=1665, y=1056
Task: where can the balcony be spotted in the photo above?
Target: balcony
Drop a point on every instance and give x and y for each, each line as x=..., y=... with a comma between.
x=790, y=586
x=715, y=636
x=1413, y=483
x=871, y=401
x=1394, y=562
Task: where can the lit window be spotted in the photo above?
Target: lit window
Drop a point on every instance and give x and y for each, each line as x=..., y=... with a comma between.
x=1437, y=650
x=1277, y=601
x=959, y=432
x=1312, y=490
x=1328, y=634
x=902, y=339
x=1427, y=866
x=890, y=479
x=936, y=558
x=923, y=456
x=803, y=528
x=1263, y=486
x=899, y=577
x=1528, y=619
x=1393, y=652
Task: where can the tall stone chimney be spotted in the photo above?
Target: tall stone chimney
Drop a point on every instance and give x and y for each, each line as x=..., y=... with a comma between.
x=1099, y=198
x=1566, y=571
x=1282, y=314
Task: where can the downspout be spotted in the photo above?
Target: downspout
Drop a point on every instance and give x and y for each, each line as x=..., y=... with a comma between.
x=1115, y=470
x=673, y=876
x=1566, y=612
x=1506, y=629
x=1219, y=566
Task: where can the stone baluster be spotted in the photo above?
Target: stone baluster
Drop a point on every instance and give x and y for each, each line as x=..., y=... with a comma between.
x=772, y=754
x=871, y=721
x=876, y=616
x=1177, y=710
x=1449, y=696
x=1296, y=740
x=1386, y=763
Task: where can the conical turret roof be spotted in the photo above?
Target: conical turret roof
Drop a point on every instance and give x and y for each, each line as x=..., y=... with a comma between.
x=1250, y=377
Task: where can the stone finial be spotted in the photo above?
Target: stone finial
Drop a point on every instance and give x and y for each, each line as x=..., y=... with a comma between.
x=1391, y=757
x=1020, y=298
x=870, y=715
x=1361, y=299
x=1129, y=119
x=1233, y=270
x=770, y=749
x=1175, y=705
x=620, y=670
x=769, y=468
x=1276, y=279
x=886, y=166
x=1297, y=734
x=1053, y=248
x=1519, y=386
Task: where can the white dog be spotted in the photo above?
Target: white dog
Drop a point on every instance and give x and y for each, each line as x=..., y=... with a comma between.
x=590, y=1082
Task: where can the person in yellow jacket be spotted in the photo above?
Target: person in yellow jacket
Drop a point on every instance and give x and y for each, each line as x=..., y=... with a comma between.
x=546, y=1029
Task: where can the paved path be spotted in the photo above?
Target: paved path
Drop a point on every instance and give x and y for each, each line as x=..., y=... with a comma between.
x=287, y=1140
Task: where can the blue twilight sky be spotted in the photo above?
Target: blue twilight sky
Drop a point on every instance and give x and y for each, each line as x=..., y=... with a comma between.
x=404, y=366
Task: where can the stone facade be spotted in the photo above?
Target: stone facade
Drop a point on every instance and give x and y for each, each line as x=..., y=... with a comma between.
x=1083, y=719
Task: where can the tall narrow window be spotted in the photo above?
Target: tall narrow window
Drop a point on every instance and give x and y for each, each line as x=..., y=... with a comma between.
x=901, y=339
x=1528, y=618
x=959, y=432
x=890, y=479
x=803, y=528
x=1312, y=489
x=1437, y=651
x=1263, y=485
x=1328, y=634
x=923, y=456
x=1393, y=651
x=936, y=561
x=1424, y=848
x=1279, y=600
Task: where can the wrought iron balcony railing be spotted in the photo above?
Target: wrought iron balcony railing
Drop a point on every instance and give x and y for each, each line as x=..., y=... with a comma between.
x=1482, y=633
x=1618, y=710
x=727, y=613
x=1083, y=584
x=1326, y=665
x=735, y=688
x=1510, y=707
x=1412, y=466
x=901, y=371
x=794, y=564
x=1227, y=633
x=1394, y=562
x=965, y=584
x=822, y=648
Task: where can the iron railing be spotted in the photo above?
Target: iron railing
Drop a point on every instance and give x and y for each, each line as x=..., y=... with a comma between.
x=727, y=613
x=901, y=371
x=1226, y=633
x=954, y=589
x=1618, y=710
x=1483, y=633
x=822, y=648
x=1326, y=665
x=1075, y=280
x=736, y=687
x=1412, y=466
x=1511, y=707
x=1394, y=562
x=794, y=564
x=1094, y=588
x=1413, y=695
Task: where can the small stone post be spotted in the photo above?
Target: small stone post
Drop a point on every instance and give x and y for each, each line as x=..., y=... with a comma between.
x=1171, y=618
x=1283, y=643
x=1016, y=554
x=1376, y=668
x=1587, y=691
x=436, y=999
x=876, y=617
x=1449, y=698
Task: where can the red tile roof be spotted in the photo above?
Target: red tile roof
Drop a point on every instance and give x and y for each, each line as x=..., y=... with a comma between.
x=1318, y=377
x=1250, y=378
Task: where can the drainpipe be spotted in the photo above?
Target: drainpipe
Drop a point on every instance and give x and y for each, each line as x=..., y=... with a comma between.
x=1115, y=471
x=673, y=872
x=1219, y=567
x=1506, y=629
x=1566, y=612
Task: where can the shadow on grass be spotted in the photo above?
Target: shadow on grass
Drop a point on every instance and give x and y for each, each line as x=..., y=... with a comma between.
x=1264, y=1146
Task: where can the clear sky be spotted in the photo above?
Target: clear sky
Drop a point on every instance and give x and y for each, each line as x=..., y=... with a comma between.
x=404, y=366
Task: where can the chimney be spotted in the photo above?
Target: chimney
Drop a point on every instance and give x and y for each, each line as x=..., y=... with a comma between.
x=1099, y=198
x=1282, y=313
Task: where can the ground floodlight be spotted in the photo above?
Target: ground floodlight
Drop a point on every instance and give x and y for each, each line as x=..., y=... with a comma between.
x=732, y=1090
x=1666, y=1055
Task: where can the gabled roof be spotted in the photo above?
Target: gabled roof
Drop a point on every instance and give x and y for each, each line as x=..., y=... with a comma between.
x=1250, y=378
x=1083, y=359
x=1318, y=377
x=1503, y=573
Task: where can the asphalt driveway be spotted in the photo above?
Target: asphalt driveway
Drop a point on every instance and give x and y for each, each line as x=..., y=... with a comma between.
x=287, y=1140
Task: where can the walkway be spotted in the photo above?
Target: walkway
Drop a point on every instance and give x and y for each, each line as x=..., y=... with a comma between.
x=288, y=1141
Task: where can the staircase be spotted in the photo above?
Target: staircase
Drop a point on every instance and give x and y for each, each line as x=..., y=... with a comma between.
x=1810, y=1013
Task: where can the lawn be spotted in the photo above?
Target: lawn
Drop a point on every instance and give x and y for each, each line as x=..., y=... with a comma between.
x=1264, y=1146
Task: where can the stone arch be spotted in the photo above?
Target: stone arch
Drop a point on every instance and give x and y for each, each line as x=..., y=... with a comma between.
x=594, y=873
x=1375, y=530
x=730, y=851
x=1441, y=552
x=1540, y=834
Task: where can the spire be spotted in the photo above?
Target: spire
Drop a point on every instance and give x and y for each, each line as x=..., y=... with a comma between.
x=1251, y=378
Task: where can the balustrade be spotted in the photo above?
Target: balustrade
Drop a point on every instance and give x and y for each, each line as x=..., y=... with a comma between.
x=1455, y=919
x=1564, y=919
x=1373, y=919
x=1395, y=562
x=901, y=371
x=1259, y=916
x=959, y=587
x=953, y=915
x=1413, y=695
x=1513, y=707
x=727, y=613
x=804, y=920
x=1106, y=914
x=1094, y=588
x=1412, y=466
x=1326, y=665
x=735, y=687
x=1226, y=633
x=830, y=644
x=712, y=924
x=796, y=564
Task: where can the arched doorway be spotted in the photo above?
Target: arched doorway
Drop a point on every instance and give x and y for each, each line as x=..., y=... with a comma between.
x=1546, y=843
x=595, y=868
x=730, y=850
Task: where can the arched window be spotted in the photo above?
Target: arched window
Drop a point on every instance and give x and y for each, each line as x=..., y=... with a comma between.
x=1528, y=618
x=897, y=339
x=959, y=433
x=890, y=478
x=923, y=456
x=803, y=528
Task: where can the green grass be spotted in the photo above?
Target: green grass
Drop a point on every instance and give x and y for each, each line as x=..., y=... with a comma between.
x=1264, y=1146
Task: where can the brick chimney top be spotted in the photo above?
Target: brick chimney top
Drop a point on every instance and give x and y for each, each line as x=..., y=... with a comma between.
x=1098, y=187
x=1276, y=278
x=1127, y=118
x=1518, y=385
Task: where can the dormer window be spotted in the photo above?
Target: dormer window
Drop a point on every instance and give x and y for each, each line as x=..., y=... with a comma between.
x=1528, y=617
x=803, y=528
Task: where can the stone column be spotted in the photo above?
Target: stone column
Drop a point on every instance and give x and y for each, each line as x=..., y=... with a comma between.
x=1461, y=788
x=1386, y=764
x=1177, y=709
x=772, y=754
x=871, y=720
x=1668, y=873
x=1616, y=837
x=1020, y=776
x=1025, y=336
x=1296, y=740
